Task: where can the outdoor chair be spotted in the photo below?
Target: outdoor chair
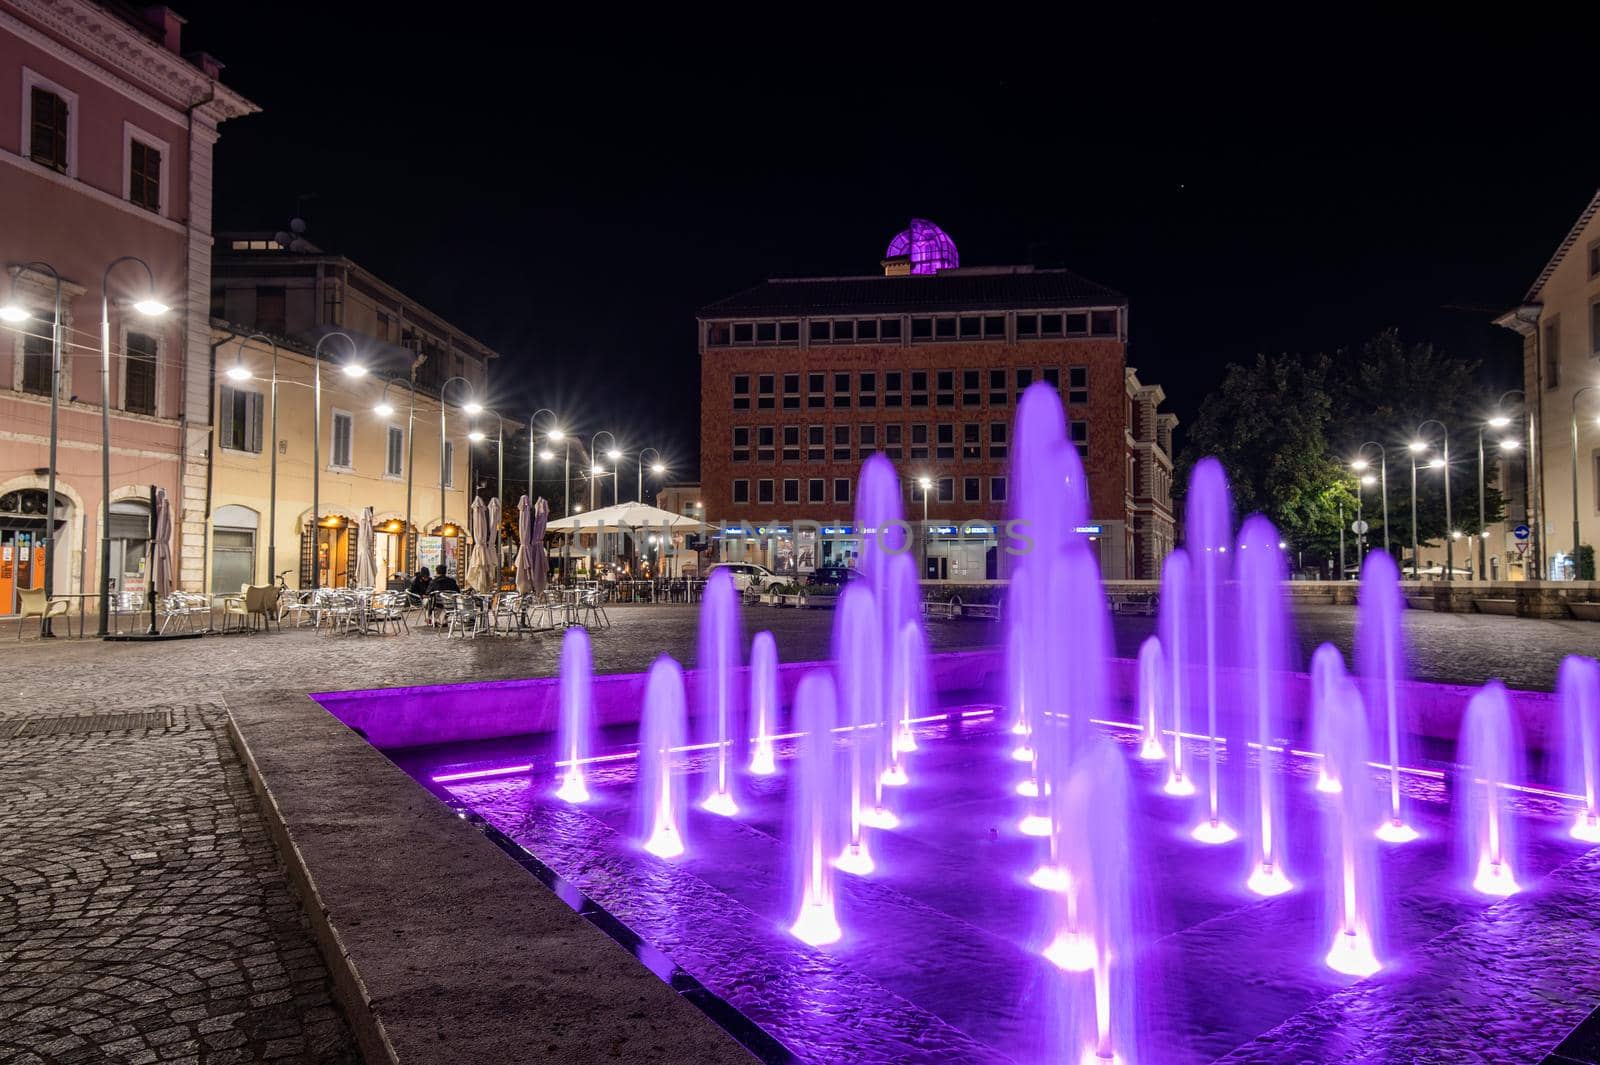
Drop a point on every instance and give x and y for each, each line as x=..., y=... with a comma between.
x=591, y=612
x=181, y=608
x=37, y=604
x=388, y=610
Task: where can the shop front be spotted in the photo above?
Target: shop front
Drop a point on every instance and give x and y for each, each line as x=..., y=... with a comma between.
x=442, y=550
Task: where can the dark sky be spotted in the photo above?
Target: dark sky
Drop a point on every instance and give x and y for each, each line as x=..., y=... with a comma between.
x=570, y=192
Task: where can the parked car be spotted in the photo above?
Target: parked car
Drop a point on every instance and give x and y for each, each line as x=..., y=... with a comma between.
x=831, y=577
x=745, y=574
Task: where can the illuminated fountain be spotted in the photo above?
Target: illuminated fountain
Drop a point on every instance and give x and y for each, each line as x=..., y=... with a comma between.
x=1152, y=699
x=908, y=698
x=1490, y=756
x=1175, y=579
x=1327, y=693
x=1263, y=649
x=1350, y=879
x=577, y=714
x=716, y=667
x=763, y=703
x=814, y=829
x=660, y=802
x=859, y=660
x=1579, y=688
x=1380, y=654
x=1208, y=528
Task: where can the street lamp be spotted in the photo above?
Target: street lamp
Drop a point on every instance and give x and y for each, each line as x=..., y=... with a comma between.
x=1442, y=463
x=239, y=372
x=925, y=483
x=1575, y=535
x=471, y=407
x=595, y=471
x=351, y=369
x=657, y=468
x=384, y=410
x=150, y=307
x=500, y=451
x=556, y=436
x=1361, y=463
x=15, y=313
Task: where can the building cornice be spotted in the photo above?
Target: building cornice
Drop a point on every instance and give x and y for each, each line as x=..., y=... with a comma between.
x=135, y=64
x=1561, y=252
x=1523, y=319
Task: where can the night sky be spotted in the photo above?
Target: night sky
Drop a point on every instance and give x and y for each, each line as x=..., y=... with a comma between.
x=571, y=193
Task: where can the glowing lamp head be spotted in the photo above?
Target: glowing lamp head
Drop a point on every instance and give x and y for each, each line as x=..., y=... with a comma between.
x=924, y=483
x=1510, y=445
x=614, y=455
x=1500, y=421
x=658, y=469
x=1369, y=480
x=473, y=407
x=546, y=455
x=1417, y=447
x=11, y=312
x=1283, y=545
x=1455, y=534
x=151, y=308
x=1436, y=464
x=354, y=369
x=476, y=436
x=383, y=410
x=597, y=470
x=1359, y=465
x=238, y=373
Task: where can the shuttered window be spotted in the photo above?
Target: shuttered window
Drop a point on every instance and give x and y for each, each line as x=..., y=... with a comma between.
x=139, y=374
x=239, y=419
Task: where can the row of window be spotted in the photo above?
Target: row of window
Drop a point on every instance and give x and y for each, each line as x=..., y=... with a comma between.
x=51, y=131
x=944, y=490
x=1029, y=325
x=139, y=367
x=842, y=443
x=913, y=388
x=1552, y=340
x=239, y=416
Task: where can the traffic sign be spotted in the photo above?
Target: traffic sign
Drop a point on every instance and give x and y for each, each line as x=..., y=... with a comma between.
x=1522, y=548
x=1521, y=532
x=1359, y=527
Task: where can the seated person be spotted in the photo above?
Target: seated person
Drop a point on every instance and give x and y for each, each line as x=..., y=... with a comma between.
x=418, y=587
x=442, y=582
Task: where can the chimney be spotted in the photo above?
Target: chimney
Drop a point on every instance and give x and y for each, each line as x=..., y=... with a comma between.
x=897, y=266
x=209, y=64
x=169, y=24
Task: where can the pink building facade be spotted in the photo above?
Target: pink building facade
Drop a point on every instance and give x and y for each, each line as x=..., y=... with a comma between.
x=106, y=138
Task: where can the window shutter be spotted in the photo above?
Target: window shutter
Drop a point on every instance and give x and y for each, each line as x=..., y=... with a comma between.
x=308, y=555
x=351, y=542
x=225, y=417
x=253, y=405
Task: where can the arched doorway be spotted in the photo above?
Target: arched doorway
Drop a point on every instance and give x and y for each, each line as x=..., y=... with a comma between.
x=328, y=552
x=129, y=533
x=233, y=548
x=391, y=541
x=22, y=542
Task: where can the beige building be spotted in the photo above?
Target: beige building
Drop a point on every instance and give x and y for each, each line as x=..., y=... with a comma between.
x=1559, y=320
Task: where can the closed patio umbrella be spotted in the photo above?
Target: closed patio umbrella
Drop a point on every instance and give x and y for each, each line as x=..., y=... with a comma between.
x=493, y=542
x=161, y=548
x=366, y=552
x=477, y=565
x=541, y=564
x=524, y=556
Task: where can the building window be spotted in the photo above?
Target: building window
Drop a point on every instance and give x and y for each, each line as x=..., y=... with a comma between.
x=1050, y=325
x=741, y=443
x=1552, y=352
x=1078, y=384
x=841, y=443
x=1027, y=326
x=1594, y=260
x=919, y=388
x=944, y=328
x=947, y=388
x=49, y=129
x=239, y=419
x=867, y=329
x=717, y=334
x=969, y=388
x=1024, y=379
x=791, y=490
x=998, y=395
x=1051, y=375
x=343, y=426
x=139, y=374
x=741, y=391
x=788, y=332
x=867, y=437
x=947, y=489
x=841, y=489
x=816, y=490
x=841, y=389
x=922, y=329
x=765, y=450
x=144, y=176
x=394, y=458
x=816, y=443
x=867, y=390
x=919, y=441
x=889, y=329
x=741, y=491
x=764, y=491
x=37, y=360
x=1080, y=437
x=818, y=331
x=997, y=440
x=1594, y=327
x=744, y=333
x=448, y=474
x=969, y=490
x=1077, y=323
x=994, y=327
x=946, y=451
x=844, y=332
x=971, y=327
x=272, y=311
x=997, y=489
x=971, y=441
x=233, y=548
x=764, y=387
x=892, y=440
x=893, y=381
x=766, y=332
x=1103, y=323
x=791, y=443
x=791, y=391
x=816, y=391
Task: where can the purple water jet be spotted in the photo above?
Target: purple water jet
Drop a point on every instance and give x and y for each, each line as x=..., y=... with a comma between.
x=661, y=801
x=908, y=698
x=577, y=716
x=1263, y=647
x=1173, y=626
x=1350, y=881
x=1579, y=688
x=859, y=660
x=814, y=835
x=1381, y=655
x=717, y=664
x=1208, y=535
x=1153, y=678
x=1328, y=677
x=763, y=703
x=1491, y=757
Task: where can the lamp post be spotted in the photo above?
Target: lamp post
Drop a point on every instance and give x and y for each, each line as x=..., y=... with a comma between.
x=477, y=437
x=384, y=410
x=1361, y=464
x=1501, y=420
x=595, y=470
x=658, y=468
x=14, y=312
x=150, y=307
x=471, y=407
x=1418, y=445
x=925, y=483
x=1576, y=536
x=239, y=372
x=556, y=436
x=351, y=369
x=1365, y=480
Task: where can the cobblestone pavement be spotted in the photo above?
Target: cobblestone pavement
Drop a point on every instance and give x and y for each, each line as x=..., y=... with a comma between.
x=143, y=914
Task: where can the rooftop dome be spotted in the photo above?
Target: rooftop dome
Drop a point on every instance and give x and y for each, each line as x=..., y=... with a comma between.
x=929, y=248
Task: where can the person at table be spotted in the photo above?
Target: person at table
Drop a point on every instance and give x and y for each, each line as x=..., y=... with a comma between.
x=441, y=583
x=419, y=585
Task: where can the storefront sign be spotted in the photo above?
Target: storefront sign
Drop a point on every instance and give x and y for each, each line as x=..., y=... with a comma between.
x=430, y=552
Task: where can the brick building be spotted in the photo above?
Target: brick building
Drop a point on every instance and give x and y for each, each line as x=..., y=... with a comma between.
x=804, y=378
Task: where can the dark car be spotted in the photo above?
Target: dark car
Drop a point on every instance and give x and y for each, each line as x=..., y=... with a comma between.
x=831, y=577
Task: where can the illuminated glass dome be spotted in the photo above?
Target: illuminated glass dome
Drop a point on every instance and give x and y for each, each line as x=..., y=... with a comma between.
x=929, y=248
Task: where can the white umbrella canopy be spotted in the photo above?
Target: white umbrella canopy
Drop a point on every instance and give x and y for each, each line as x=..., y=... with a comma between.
x=524, y=564
x=366, y=551
x=626, y=516
x=161, y=549
x=477, y=561
x=493, y=540
x=541, y=564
